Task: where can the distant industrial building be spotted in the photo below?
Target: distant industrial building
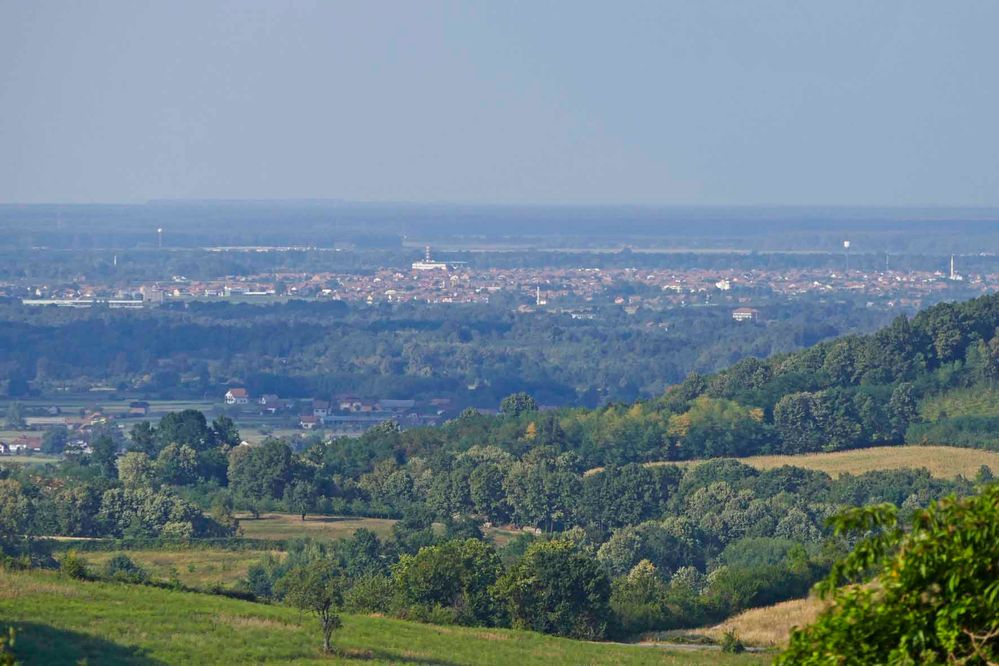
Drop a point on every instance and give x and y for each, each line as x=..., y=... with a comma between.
x=746, y=314
x=429, y=264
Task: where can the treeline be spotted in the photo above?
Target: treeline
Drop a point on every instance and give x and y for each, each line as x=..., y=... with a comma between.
x=621, y=551
x=474, y=354
x=107, y=493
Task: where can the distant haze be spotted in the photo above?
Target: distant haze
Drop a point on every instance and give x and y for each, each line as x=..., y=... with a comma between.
x=700, y=102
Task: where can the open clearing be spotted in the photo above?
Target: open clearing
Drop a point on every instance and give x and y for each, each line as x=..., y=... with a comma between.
x=282, y=526
x=943, y=462
x=62, y=621
x=196, y=567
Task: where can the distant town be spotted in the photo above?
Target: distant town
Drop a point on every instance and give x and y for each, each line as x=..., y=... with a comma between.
x=432, y=281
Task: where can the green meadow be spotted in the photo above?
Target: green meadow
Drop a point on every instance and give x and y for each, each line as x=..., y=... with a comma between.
x=64, y=621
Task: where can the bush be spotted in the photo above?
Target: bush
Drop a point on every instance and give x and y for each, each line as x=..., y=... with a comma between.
x=122, y=568
x=937, y=598
x=7, y=656
x=731, y=644
x=258, y=582
x=639, y=600
x=372, y=593
x=74, y=566
x=449, y=583
x=557, y=589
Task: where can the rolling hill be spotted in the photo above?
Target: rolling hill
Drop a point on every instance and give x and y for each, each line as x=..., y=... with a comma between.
x=64, y=621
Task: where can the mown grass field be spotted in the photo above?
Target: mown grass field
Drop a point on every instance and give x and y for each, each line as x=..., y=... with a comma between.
x=286, y=526
x=943, y=462
x=62, y=621
x=197, y=567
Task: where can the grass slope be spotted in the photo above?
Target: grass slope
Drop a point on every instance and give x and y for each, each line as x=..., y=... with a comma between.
x=282, y=526
x=771, y=625
x=62, y=621
x=196, y=567
x=943, y=462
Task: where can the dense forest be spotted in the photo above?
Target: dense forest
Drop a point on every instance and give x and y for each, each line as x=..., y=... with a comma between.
x=474, y=354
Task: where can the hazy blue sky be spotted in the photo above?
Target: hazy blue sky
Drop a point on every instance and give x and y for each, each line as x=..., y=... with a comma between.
x=661, y=102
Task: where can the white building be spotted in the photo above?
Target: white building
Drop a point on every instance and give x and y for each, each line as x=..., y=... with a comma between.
x=429, y=264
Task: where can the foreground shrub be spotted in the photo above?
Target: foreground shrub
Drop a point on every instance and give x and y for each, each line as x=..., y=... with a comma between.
x=7, y=640
x=931, y=594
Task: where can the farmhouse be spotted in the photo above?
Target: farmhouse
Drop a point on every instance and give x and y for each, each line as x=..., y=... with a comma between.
x=25, y=444
x=237, y=396
x=349, y=403
x=271, y=404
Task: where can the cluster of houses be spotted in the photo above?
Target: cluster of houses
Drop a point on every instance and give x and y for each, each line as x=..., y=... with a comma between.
x=21, y=445
x=345, y=412
x=79, y=426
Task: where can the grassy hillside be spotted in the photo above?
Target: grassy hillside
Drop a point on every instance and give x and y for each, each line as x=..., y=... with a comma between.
x=769, y=626
x=765, y=627
x=62, y=621
x=943, y=462
x=197, y=567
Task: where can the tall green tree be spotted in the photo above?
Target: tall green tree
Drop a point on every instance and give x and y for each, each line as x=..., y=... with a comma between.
x=456, y=576
x=556, y=589
x=318, y=588
x=517, y=404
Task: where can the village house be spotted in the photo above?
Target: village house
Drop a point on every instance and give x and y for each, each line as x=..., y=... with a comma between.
x=320, y=408
x=24, y=445
x=237, y=396
x=309, y=422
x=349, y=403
x=270, y=403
